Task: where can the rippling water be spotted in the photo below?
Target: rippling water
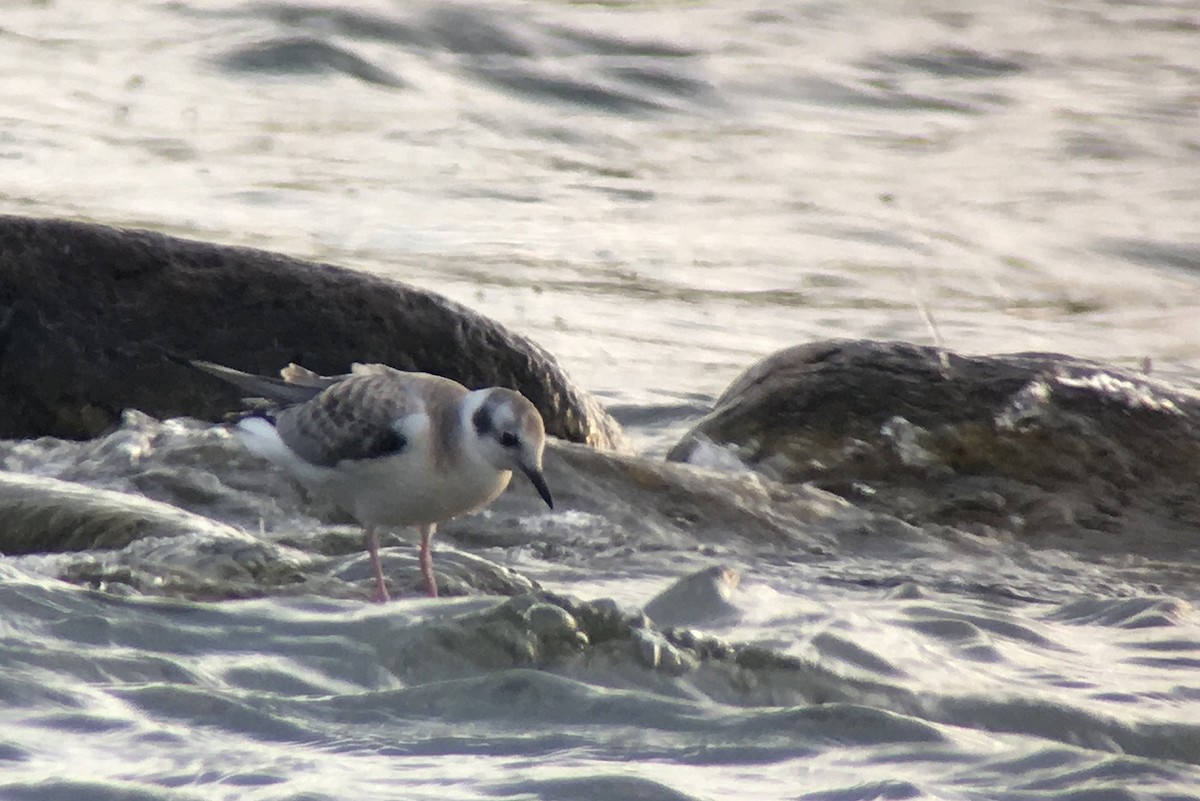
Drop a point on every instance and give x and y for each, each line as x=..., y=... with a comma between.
x=659, y=194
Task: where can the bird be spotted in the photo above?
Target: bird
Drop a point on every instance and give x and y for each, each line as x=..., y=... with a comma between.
x=391, y=448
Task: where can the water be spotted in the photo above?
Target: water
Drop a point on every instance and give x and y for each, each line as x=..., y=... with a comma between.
x=659, y=195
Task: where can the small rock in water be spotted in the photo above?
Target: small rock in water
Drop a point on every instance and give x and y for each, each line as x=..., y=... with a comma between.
x=603, y=619
x=655, y=652
x=702, y=597
x=723, y=458
x=550, y=621
x=647, y=648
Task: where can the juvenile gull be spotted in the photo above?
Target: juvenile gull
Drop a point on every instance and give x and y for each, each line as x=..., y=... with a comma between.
x=392, y=448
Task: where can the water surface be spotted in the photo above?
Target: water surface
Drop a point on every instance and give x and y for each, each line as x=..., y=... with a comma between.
x=658, y=194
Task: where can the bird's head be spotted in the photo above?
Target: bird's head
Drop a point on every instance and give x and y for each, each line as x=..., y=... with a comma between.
x=511, y=435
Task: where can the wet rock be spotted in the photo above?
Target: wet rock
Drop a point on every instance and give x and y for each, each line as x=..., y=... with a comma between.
x=86, y=312
x=647, y=647
x=462, y=641
x=548, y=621
x=534, y=630
x=42, y=515
x=754, y=657
x=617, y=511
x=458, y=573
x=612, y=501
x=213, y=570
x=655, y=651
x=701, y=597
x=603, y=620
x=124, y=543
x=1034, y=445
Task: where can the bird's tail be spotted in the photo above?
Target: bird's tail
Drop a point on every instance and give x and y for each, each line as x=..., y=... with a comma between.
x=277, y=390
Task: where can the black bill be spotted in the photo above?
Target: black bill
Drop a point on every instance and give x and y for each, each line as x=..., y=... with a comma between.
x=539, y=483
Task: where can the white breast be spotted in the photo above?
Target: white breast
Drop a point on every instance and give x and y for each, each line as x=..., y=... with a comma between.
x=406, y=490
x=409, y=488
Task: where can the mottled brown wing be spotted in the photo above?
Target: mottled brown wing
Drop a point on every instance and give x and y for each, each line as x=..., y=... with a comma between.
x=362, y=417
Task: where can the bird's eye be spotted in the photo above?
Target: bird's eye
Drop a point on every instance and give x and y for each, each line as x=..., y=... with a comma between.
x=508, y=439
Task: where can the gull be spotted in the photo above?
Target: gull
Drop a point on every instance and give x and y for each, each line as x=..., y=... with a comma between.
x=392, y=448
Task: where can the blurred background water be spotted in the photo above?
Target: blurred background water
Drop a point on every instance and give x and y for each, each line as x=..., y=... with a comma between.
x=659, y=194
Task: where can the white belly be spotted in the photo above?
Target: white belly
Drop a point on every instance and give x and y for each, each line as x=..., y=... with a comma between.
x=404, y=490
x=394, y=491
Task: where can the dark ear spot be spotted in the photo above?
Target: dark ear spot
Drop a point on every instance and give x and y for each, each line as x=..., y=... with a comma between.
x=482, y=420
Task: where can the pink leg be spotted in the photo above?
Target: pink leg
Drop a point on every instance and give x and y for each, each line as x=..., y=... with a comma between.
x=427, y=560
x=372, y=541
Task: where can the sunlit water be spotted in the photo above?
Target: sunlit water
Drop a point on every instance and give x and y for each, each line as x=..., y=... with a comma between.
x=658, y=194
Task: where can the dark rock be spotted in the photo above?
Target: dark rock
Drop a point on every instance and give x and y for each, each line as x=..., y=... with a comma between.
x=87, y=311
x=1028, y=444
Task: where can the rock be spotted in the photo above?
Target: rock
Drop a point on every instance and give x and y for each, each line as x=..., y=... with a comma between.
x=1036, y=445
x=86, y=312
x=647, y=647
x=127, y=544
x=466, y=639
x=39, y=514
x=703, y=597
x=619, y=512
x=549, y=621
x=122, y=542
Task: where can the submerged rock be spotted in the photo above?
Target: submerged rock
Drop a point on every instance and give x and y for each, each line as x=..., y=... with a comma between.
x=124, y=543
x=45, y=515
x=601, y=642
x=86, y=312
x=1037, y=445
